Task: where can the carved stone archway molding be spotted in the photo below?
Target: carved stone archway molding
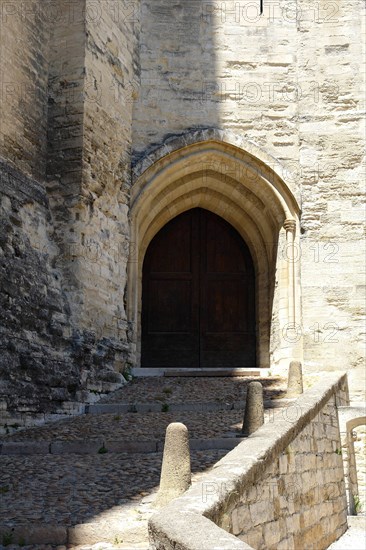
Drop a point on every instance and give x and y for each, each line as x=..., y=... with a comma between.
x=244, y=187
x=287, y=171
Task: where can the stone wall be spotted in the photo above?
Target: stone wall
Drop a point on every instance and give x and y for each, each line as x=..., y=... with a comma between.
x=292, y=82
x=24, y=43
x=331, y=136
x=47, y=366
x=66, y=84
x=215, y=64
x=64, y=189
x=93, y=62
x=34, y=313
x=281, y=488
x=100, y=223
x=89, y=87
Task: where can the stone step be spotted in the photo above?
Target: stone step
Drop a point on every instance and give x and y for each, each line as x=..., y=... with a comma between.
x=107, y=446
x=212, y=372
x=121, y=408
x=120, y=533
x=192, y=372
x=115, y=532
x=194, y=406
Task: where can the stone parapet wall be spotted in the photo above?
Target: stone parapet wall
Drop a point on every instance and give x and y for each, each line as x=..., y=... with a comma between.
x=282, y=488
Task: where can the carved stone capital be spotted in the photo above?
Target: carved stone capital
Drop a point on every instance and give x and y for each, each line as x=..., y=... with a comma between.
x=290, y=226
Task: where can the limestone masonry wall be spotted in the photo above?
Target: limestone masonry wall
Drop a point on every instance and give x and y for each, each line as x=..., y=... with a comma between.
x=331, y=136
x=281, y=488
x=92, y=68
x=34, y=315
x=63, y=248
x=100, y=219
x=24, y=43
x=89, y=88
x=47, y=365
x=292, y=82
x=66, y=83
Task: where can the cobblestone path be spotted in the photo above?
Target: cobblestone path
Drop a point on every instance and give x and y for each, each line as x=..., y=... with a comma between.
x=73, y=479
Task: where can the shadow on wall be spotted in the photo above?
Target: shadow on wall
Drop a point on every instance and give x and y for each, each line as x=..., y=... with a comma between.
x=179, y=70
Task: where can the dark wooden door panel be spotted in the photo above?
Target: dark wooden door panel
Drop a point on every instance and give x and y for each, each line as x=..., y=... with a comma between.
x=198, y=295
x=165, y=301
x=227, y=350
x=227, y=328
x=171, y=250
x=222, y=247
x=170, y=296
x=225, y=307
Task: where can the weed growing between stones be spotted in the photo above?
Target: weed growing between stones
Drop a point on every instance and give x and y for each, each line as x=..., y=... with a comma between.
x=7, y=539
x=358, y=504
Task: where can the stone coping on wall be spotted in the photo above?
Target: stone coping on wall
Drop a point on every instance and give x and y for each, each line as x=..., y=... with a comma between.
x=185, y=524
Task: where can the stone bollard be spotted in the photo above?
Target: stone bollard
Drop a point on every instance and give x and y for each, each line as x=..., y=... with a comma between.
x=254, y=409
x=175, y=476
x=294, y=383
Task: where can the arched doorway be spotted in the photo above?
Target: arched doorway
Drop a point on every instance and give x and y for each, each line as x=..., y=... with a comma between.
x=243, y=186
x=198, y=295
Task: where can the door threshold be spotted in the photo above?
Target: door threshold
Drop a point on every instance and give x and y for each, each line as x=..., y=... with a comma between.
x=192, y=372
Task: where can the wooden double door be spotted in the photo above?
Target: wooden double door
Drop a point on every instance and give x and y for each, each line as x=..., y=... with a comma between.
x=198, y=295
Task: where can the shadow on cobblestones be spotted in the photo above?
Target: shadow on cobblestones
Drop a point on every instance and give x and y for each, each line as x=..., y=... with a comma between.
x=91, y=487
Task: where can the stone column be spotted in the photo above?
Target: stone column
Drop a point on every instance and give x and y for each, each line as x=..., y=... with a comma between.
x=175, y=476
x=290, y=228
x=254, y=409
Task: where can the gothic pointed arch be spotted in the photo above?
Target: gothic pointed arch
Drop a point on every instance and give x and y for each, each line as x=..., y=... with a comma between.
x=246, y=189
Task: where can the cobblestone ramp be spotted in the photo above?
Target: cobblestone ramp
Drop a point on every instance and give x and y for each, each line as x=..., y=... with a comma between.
x=69, y=482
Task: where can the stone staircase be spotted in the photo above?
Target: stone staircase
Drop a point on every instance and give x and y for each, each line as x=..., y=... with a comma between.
x=93, y=478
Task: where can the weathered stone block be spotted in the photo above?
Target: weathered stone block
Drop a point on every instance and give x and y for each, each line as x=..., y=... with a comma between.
x=271, y=533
